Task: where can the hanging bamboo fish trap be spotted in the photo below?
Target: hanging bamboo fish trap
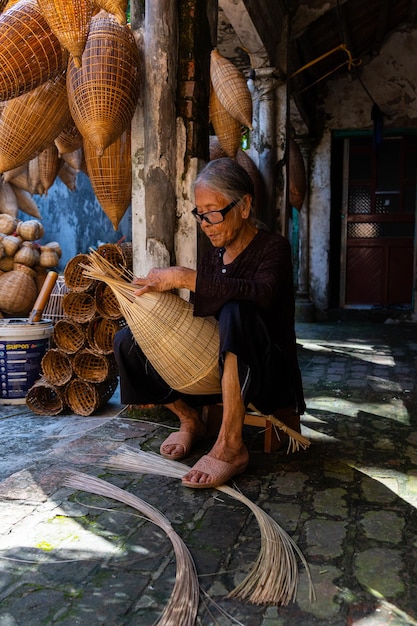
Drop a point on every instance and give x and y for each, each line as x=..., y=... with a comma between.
x=231, y=89
x=116, y=7
x=182, y=348
x=29, y=52
x=2, y=5
x=30, y=122
x=111, y=176
x=48, y=162
x=297, y=176
x=227, y=128
x=69, y=139
x=103, y=93
x=70, y=23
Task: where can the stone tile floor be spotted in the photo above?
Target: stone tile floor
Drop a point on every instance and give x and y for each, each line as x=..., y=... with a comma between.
x=349, y=502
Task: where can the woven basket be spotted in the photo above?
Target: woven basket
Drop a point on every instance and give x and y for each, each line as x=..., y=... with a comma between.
x=93, y=367
x=53, y=310
x=31, y=122
x=114, y=253
x=56, y=367
x=3, y=4
x=49, y=165
x=116, y=7
x=69, y=336
x=29, y=52
x=43, y=398
x=111, y=176
x=79, y=306
x=226, y=127
x=69, y=139
x=104, y=92
x=68, y=175
x=127, y=251
x=231, y=88
x=74, y=276
x=70, y=22
x=74, y=159
x=84, y=398
x=8, y=200
x=18, y=291
x=100, y=334
x=35, y=186
x=106, y=303
x=182, y=348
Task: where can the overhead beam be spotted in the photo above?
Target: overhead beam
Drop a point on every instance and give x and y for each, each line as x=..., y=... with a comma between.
x=245, y=29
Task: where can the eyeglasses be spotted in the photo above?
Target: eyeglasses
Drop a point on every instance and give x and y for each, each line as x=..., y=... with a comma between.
x=214, y=217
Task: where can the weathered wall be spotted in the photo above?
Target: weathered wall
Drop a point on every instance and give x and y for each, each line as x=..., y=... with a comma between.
x=76, y=220
x=392, y=82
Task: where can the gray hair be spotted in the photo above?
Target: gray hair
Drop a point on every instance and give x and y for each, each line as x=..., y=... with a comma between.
x=227, y=177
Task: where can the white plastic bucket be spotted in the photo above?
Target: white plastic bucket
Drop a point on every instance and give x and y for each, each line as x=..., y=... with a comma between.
x=22, y=346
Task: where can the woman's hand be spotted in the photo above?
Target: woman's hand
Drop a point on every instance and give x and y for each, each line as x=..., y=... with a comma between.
x=166, y=279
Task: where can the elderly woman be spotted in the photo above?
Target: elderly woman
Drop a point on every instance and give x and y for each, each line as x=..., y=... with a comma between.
x=245, y=281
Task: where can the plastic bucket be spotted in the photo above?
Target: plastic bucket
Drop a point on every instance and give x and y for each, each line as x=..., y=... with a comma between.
x=22, y=346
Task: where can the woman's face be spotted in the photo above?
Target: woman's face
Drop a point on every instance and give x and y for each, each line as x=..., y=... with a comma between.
x=229, y=230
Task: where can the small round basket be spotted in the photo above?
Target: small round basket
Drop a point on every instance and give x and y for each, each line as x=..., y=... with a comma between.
x=107, y=304
x=45, y=399
x=74, y=276
x=56, y=367
x=93, y=367
x=84, y=398
x=80, y=307
x=69, y=336
x=100, y=334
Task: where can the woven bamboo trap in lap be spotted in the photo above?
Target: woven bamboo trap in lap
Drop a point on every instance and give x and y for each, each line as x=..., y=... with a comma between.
x=30, y=122
x=227, y=128
x=231, y=89
x=110, y=175
x=103, y=93
x=29, y=52
x=70, y=22
x=182, y=348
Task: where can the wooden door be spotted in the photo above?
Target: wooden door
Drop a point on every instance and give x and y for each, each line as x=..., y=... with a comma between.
x=379, y=207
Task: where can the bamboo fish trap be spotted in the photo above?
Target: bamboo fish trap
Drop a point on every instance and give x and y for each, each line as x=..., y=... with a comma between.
x=226, y=127
x=103, y=93
x=29, y=51
x=170, y=336
x=231, y=89
x=70, y=22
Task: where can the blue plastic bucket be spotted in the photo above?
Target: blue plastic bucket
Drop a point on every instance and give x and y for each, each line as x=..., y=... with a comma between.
x=22, y=346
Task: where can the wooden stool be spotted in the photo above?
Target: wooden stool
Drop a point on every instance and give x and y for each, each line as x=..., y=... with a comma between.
x=212, y=416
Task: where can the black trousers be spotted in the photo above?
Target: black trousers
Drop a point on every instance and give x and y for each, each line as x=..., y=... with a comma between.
x=266, y=377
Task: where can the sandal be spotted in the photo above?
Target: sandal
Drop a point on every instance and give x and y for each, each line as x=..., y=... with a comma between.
x=184, y=439
x=220, y=471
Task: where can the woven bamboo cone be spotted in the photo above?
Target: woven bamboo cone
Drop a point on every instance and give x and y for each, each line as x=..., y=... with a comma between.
x=111, y=176
x=26, y=203
x=226, y=127
x=29, y=51
x=182, y=348
x=70, y=22
x=103, y=93
x=30, y=122
x=43, y=398
x=116, y=7
x=69, y=139
x=297, y=176
x=231, y=88
x=49, y=164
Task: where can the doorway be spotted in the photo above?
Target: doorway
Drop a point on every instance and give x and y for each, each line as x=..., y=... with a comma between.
x=375, y=193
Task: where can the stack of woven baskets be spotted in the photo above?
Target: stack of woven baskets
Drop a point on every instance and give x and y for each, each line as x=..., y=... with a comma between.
x=69, y=85
x=79, y=372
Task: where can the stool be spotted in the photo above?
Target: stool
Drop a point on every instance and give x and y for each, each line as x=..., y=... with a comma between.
x=212, y=416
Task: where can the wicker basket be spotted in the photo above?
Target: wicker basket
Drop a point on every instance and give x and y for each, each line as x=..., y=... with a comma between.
x=297, y=176
x=93, y=367
x=79, y=306
x=69, y=336
x=43, y=398
x=111, y=176
x=18, y=291
x=29, y=52
x=74, y=276
x=113, y=253
x=226, y=127
x=116, y=7
x=84, y=398
x=31, y=122
x=103, y=93
x=49, y=165
x=56, y=367
x=26, y=203
x=70, y=22
x=69, y=139
x=53, y=310
x=231, y=88
x=100, y=333
x=106, y=303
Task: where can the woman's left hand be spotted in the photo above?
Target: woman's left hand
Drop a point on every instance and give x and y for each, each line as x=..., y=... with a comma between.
x=166, y=279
